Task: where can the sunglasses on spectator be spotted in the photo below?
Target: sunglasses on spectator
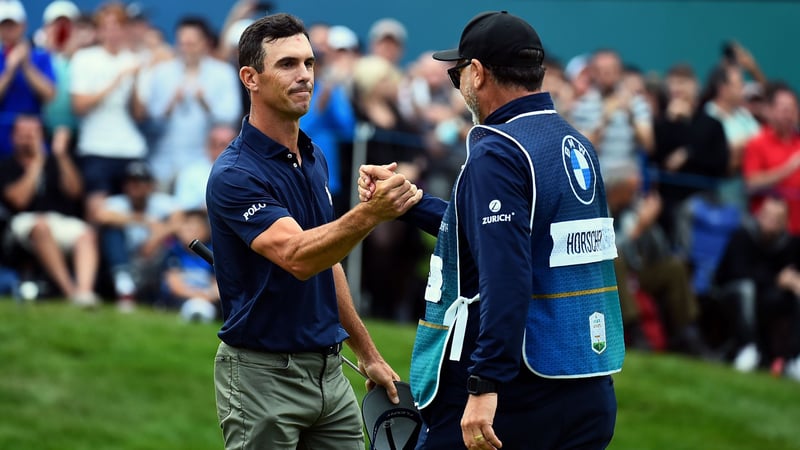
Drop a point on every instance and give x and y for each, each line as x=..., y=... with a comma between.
x=455, y=73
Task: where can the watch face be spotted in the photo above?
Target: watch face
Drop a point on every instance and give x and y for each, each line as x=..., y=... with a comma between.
x=472, y=385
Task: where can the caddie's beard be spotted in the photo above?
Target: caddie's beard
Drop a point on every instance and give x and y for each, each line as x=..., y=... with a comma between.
x=472, y=104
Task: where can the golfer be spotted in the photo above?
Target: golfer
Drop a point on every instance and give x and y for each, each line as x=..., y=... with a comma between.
x=285, y=302
x=522, y=326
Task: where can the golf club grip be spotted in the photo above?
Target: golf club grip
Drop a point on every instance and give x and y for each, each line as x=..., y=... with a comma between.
x=202, y=251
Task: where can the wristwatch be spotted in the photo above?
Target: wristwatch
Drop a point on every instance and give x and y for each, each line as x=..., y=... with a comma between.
x=477, y=385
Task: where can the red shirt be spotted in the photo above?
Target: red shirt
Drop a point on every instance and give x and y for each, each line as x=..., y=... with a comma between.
x=766, y=151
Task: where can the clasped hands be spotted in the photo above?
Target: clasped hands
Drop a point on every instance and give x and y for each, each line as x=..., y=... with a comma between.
x=391, y=190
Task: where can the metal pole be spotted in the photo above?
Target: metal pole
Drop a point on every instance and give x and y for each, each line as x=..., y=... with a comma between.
x=364, y=132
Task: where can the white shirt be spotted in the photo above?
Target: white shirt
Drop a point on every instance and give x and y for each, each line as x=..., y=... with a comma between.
x=159, y=207
x=185, y=129
x=108, y=130
x=190, y=185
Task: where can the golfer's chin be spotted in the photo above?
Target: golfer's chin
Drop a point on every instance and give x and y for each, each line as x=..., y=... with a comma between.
x=302, y=101
x=301, y=108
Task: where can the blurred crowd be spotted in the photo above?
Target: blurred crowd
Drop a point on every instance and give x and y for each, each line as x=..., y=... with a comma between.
x=108, y=133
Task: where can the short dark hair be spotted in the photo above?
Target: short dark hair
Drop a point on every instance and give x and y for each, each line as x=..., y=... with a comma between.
x=529, y=78
x=773, y=88
x=266, y=29
x=197, y=22
x=719, y=76
x=681, y=70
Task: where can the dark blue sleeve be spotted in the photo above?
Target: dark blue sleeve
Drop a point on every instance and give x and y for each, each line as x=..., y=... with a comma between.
x=427, y=214
x=243, y=202
x=494, y=213
x=44, y=63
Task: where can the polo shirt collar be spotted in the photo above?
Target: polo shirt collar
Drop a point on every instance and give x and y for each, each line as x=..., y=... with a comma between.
x=262, y=144
x=535, y=102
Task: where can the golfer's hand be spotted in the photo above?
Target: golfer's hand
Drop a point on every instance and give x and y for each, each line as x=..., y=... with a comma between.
x=392, y=198
x=368, y=175
x=380, y=373
x=476, y=424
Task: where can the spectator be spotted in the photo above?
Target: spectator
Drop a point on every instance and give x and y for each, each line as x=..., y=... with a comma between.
x=148, y=44
x=103, y=95
x=26, y=74
x=62, y=41
x=722, y=99
x=392, y=280
x=428, y=100
x=330, y=120
x=754, y=100
x=39, y=189
x=691, y=151
x=771, y=159
x=387, y=39
x=557, y=83
x=188, y=278
x=239, y=17
x=578, y=74
x=193, y=92
x=135, y=225
x=645, y=251
x=615, y=118
x=759, y=268
x=190, y=184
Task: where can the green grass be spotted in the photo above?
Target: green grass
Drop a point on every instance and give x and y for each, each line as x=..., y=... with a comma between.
x=72, y=379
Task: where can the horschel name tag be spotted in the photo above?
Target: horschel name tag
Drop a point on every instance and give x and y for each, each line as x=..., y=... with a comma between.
x=582, y=241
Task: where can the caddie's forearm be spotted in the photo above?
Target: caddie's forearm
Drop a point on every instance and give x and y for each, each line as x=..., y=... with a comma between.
x=427, y=214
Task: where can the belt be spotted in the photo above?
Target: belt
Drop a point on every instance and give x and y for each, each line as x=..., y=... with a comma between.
x=330, y=350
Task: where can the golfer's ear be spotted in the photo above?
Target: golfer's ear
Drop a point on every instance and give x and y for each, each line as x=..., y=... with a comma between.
x=248, y=76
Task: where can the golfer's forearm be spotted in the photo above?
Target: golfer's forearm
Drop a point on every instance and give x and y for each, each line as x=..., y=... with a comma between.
x=311, y=251
x=359, y=341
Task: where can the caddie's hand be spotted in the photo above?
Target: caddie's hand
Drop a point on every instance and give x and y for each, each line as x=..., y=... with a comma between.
x=476, y=423
x=367, y=176
x=393, y=197
x=380, y=373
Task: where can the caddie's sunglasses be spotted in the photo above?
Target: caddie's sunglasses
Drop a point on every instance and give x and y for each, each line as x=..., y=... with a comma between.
x=455, y=73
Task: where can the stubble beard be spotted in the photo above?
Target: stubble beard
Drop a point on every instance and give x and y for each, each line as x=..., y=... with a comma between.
x=473, y=105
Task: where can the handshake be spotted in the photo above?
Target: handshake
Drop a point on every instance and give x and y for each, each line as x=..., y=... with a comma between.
x=387, y=193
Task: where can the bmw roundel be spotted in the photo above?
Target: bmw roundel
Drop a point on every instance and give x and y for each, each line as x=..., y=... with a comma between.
x=580, y=169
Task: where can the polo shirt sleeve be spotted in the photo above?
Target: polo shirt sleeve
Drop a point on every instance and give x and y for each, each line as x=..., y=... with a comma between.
x=244, y=203
x=494, y=213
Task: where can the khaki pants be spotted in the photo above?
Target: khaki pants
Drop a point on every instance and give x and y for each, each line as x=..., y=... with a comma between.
x=275, y=401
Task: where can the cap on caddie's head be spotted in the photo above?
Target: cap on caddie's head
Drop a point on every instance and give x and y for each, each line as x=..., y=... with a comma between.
x=496, y=39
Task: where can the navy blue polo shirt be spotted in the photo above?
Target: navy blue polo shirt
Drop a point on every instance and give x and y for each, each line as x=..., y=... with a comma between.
x=253, y=183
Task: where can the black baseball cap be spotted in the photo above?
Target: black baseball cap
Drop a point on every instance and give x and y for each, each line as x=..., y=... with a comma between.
x=391, y=426
x=138, y=170
x=496, y=38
